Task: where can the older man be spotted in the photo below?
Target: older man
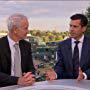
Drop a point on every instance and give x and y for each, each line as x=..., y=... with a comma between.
x=16, y=65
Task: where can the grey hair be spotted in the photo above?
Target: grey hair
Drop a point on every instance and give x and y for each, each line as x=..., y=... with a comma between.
x=14, y=20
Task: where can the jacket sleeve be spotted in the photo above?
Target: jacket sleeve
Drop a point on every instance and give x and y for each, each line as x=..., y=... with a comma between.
x=59, y=67
x=6, y=80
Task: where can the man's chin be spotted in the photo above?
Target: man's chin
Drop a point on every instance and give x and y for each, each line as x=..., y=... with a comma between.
x=71, y=36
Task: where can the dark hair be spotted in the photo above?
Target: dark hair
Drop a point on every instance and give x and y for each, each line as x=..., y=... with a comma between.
x=82, y=17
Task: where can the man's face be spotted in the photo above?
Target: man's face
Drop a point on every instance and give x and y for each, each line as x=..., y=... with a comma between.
x=22, y=31
x=76, y=30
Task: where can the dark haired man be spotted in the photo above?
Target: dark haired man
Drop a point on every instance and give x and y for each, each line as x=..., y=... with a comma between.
x=73, y=54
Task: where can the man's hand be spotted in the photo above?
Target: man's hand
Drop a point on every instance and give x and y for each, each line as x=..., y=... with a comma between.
x=80, y=76
x=50, y=74
x=27, y=79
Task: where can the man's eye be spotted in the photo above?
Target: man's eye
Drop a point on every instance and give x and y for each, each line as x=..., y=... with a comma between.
x=75, y=26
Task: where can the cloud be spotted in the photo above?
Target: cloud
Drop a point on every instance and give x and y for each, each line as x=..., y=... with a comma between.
x=59, y=24
x=16, y=1
x=3, y=24
x=44, y=14
x=40, y=11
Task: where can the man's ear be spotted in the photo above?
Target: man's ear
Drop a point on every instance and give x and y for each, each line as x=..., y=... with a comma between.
x=84, y=29
x=15, y=29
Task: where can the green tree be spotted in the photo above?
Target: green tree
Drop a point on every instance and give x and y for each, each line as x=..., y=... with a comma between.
x=88, y=26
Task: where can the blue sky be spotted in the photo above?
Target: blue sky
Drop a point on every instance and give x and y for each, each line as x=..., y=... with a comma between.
x=43, y=15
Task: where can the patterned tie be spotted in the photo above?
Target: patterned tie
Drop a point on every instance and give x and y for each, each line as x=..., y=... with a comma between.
x=17, y=61
x=75, y=60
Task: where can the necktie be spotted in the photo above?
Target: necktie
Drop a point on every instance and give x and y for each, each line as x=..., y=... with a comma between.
x=17, y=61
x=76, y=60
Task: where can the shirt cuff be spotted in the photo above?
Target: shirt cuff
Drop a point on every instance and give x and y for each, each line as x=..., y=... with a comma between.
x=56, y=75
x=85, y=76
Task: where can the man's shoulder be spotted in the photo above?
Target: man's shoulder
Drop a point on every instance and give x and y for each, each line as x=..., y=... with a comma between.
x=3, y=39
x=24, y=42
x=3, y=43
x=87, y=37
x=64, y=41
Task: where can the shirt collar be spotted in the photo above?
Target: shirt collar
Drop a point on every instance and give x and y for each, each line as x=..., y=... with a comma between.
x=11, y=42
x=81, y=39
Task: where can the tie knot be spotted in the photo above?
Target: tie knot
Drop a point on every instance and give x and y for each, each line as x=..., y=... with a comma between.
x=16, y=45
x=77, y=42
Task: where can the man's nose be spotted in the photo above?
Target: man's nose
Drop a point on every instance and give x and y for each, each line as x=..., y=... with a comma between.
x=71, y=28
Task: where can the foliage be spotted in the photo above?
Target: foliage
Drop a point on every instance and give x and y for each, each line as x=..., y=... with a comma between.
x=88, y=26
x=49, y=36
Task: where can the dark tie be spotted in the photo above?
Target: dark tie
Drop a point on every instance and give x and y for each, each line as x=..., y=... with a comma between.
x=75, y=60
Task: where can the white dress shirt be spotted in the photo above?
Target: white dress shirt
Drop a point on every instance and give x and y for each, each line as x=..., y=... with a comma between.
x=11, y=44
x=80, y=49
x=79, y=45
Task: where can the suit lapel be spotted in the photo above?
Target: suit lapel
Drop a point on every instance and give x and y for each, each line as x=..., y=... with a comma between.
x=6, y=50
x=23, y=52
x=69, y=53
x=84, y=52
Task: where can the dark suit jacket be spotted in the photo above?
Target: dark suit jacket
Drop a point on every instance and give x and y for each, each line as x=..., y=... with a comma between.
x=5, y=61
x=64, y=66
